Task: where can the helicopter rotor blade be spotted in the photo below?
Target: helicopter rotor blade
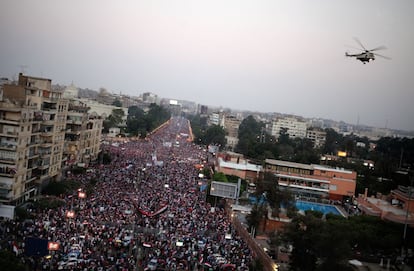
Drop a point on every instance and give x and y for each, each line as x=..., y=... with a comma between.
x=386, y=57
x=360, y=43
x=378, y=48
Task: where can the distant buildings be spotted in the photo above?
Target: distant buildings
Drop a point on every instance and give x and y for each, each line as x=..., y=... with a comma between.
x=216, y=118
x=296, y=127
x=231, y=127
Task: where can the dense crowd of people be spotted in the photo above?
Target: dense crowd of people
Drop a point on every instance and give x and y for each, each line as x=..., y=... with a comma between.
x=146, y=212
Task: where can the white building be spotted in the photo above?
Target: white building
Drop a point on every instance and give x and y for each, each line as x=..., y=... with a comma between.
x=216, y=119
x=294, y=126
x=71, y=92
x=103, y=110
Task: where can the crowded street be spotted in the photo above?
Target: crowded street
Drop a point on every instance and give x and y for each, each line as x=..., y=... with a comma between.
x=146, y=212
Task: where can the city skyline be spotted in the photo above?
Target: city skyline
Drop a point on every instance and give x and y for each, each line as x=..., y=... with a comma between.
x=267, y=56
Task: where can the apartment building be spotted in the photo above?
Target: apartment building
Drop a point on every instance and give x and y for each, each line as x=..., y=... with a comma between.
x=16, y=163
x=32, y=132
x=317, y=136
x=83, y=134
x=216, y=118
x=231, y=126
x=35, y=121
x=313, y=181
x=293, y=126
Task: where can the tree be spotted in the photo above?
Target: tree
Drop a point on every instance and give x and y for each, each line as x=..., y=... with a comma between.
x=9, y=261
x=156, y=116
x=220, y=177
x=275, y=197
x=117, y=103
x=302, y=233
x=216, y=135
x=304, y=151
x=331, y=141
x=250, y=133
x=198, y=126
x=311, y=237
x=140, y=123
x=136, y=122
x=114, y=120
x=256, y=214
x=284, y=136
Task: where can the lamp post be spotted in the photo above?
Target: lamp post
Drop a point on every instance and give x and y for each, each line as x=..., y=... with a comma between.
x=408, y=208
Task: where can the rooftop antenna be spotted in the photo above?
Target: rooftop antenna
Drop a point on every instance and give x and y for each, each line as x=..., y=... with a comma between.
x=357, y=123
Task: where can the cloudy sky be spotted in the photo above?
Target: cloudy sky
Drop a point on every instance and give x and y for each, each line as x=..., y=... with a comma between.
x=269, y=56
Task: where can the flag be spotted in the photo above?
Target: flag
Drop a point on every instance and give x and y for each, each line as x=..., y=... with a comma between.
x=15, y=248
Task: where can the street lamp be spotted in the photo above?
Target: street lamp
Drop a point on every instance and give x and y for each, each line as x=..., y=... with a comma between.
x=408, y=207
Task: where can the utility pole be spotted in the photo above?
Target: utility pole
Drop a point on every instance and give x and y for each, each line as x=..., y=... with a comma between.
x=410, y=188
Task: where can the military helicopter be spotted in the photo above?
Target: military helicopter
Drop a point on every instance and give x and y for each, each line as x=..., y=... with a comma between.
x=367, y=55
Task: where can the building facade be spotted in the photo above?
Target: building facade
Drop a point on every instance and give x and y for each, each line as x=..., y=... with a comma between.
x=293, y=126
x=238, y=166
x=33, y=126
x=33, y=117
x=231, y=127
x=83, y=134
x=313, y=181
x=317, y=136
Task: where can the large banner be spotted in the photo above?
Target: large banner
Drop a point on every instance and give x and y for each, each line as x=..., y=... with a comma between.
x=151, y=214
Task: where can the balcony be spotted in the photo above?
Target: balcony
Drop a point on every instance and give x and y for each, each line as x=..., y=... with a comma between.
x=44, y=166
x=5, y=196
x=49, y=100
x=49, y=122
x=32, y=155
x=32, y=166
x=9, y=133
x=38, y=118
x=8, y=160
x=6, y=183
x=7, y=171
x=9, y=121
x=304, y=186
x=8, y=146
x=31, y=179
x=46, y=144
x=45, y=154
x=46, y=133
x=36, y=142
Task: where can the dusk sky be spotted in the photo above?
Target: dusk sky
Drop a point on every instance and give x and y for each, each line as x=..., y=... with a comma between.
x=268, y=56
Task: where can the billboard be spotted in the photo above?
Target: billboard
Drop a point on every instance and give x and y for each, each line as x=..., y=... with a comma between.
x=224, y=190
x=7, y=211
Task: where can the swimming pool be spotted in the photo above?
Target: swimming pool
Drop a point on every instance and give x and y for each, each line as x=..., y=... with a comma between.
x=323, y=208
